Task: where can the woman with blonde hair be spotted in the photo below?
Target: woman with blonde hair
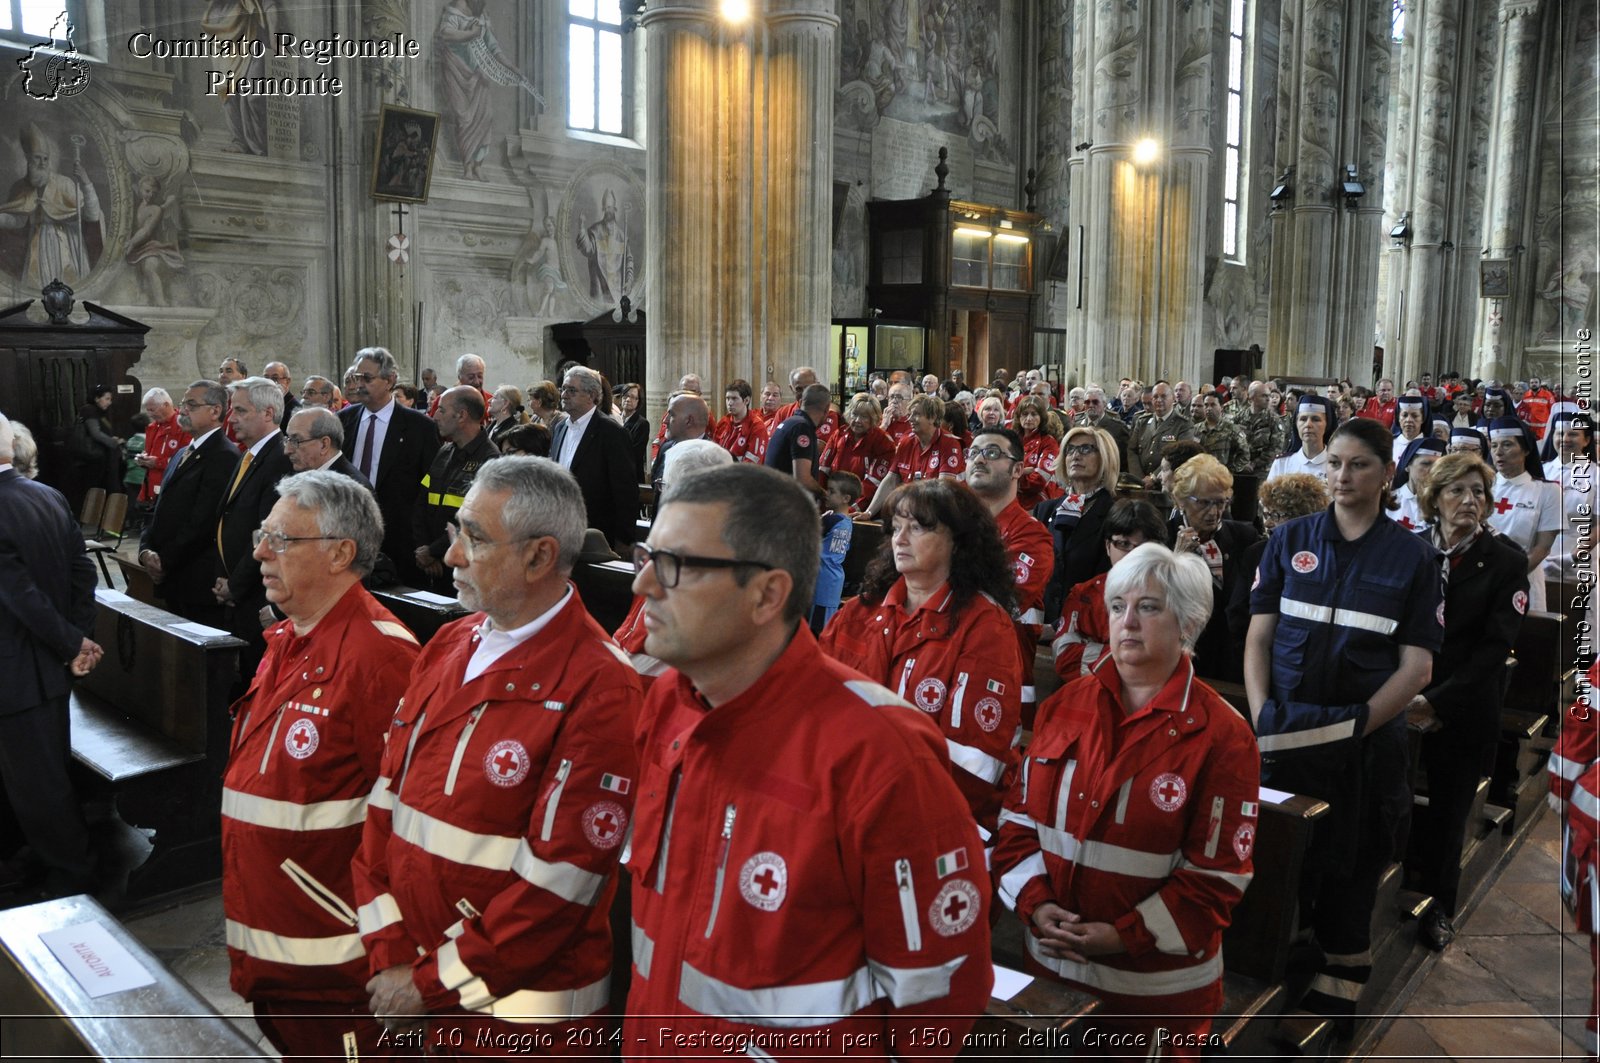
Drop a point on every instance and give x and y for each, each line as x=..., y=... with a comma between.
x=505, y=412
x=1202, y=492
x=1086, y=474
x=863, y=448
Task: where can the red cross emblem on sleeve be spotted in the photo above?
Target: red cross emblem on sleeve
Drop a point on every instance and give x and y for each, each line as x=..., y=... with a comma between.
x=604, y=823
x=1503, y=505
x=506, y=763
x=1405, y=522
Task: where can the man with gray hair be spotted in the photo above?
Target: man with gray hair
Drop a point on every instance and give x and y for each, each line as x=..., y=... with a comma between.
x=1096, y=414
x=162, y=440
x=317, y=391
x=489, y=862
x=393, y=447
x=596, y=450
x=306, y=744
x=687, y=417
x=256, y=404
x=46, y=617
x=847, y=877
x=313, y=441
x=470, y=371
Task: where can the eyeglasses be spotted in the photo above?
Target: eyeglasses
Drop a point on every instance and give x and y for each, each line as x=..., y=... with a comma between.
x=1125, y=544
x=1204, y=504
x=290, y=442
x=365, y=378
x=1274, y=516
x=1080, y=450
x=189, y=404
x=471, y=545
x=278, y=542
x=990, y=453
x=669, y=566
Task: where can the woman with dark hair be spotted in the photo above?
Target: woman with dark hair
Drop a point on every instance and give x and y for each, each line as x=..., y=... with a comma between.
x=95, y=450
x=1085, y=627
x=1527, y=508
x=1569, y=458
x=532, y=440
x=1127, y=840
x=1086, y=472
x=634, y=421
x=1308, y=449
x=955, y=423
x=1412, y=421
x=1486, y=595
x=409, y=396
x=932, y=623
x=1347, y=612
x=1040, y=453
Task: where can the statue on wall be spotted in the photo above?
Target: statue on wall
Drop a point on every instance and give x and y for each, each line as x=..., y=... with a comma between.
x=153, y=247
x=59, y=216
x=538, y=263
x=1568, y=294
x=470, y=61
x=245, y=20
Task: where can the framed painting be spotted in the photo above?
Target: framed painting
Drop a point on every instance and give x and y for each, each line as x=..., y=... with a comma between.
x=402, y=156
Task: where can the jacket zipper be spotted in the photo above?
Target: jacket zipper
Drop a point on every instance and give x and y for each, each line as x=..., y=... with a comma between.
x=320, y=894
x=272, y=739
x=908, y=905
x=905, y=675
x=562, y=771
x=461, y=748
x=666, y=835
x=957, y=696
x=411, y=747
x=722, y=865
x=1122, y=801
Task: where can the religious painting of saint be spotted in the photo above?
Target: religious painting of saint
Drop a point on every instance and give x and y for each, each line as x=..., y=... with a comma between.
x=52, y=225
x=602, y=225
x=402, y=160
x=1494, y=278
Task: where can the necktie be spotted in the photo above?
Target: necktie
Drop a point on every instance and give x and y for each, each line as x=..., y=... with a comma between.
x=366, y=448
x=187, y=451
x=238, y=477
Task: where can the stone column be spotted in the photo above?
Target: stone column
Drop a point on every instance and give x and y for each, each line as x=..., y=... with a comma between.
x=1334, y=69
x=739, y=138
x=1513, y=140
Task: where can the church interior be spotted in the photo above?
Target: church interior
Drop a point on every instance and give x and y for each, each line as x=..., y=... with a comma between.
x=1307, y=191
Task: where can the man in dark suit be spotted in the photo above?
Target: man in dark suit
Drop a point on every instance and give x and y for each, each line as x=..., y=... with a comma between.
x=46, y=615
x=252, y=492
x=393, y=448
x=278, y=373
x=313, y=441
x=178, y=545
x=596, y=450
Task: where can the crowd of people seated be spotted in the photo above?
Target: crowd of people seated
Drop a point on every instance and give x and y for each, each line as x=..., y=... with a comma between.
x=821, y=791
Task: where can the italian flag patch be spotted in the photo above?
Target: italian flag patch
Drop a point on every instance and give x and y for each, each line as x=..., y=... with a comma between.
x=1249, y=809
x=951, y=862
x=615, y=783
x=995, y=686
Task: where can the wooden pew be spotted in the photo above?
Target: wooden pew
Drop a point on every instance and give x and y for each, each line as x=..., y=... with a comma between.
x=423, y=615
x=865, y=539
x=50, y=1015
x=150, y=725
x=136, y=578
x=607, y=591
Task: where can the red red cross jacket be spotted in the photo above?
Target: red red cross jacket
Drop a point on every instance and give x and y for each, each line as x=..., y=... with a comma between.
x=942, y=457
x=1032, y=553
x=746, y=440
x=1040, y=452
x=867, y=455
x=306, y=741
x=1145, y=822
x=488, y=862
x=1084, y=629
x=802, y=867
x=961, y=668
x=162, y=440
x=1579, y=744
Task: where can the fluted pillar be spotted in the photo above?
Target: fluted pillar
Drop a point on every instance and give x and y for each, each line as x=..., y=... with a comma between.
x=1334, y=69
x=739, y=138
x=1512, y=144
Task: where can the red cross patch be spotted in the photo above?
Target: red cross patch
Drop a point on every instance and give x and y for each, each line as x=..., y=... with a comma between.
x=929, y=694
x=302, y=739
x=764, y=881
x=1405, y=522
x=1305, y=562
x=506, y=763
x=1503, y=506
x=1519, y=602
x=953, y=460
x=802, y=440
x=955, y=908
x=1244, y=840
x=604, y=824
x=987, y=713
x=1024, y=569
x=1168, y=791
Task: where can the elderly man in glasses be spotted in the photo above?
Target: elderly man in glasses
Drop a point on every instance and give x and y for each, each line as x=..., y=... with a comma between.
x=508, y=779
x=306, y=743
x=313, y=440
x=1096, y=414
x=800, y=854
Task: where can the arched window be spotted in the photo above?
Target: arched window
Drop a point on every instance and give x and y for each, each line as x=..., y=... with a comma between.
x=1233, y=153
x=1397, y=24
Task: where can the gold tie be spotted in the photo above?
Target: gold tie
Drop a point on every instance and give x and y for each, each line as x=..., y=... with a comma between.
x=238, y=477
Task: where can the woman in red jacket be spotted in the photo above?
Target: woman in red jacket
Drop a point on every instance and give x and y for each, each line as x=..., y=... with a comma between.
x=1039, y=453
x=932, y=624
x=863, y=448
x=1126, y=841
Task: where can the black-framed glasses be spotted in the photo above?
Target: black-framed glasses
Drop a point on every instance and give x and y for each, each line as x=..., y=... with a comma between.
x=990, y=453
x=669, y=566
x=1080, y=450
x=278, y=542
x=190, y=404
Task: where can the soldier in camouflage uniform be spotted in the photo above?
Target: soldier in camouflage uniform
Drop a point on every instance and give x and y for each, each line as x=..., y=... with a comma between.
x=1238, y=404
x=1221, y=438
x=1153, y=431
x=1263, y=430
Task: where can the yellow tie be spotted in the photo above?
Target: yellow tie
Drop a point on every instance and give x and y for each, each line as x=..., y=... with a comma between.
x=238, y=477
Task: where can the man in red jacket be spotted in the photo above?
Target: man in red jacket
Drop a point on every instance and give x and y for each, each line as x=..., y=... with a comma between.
x=162, y=440
x=806, y=874
x=488, y=865
x=306, y=742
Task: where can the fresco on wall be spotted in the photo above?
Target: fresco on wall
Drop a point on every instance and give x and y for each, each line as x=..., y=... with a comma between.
x=57, y=216
x=245, y=20
x=600, y=233
x=933, y=62
x=471, y=69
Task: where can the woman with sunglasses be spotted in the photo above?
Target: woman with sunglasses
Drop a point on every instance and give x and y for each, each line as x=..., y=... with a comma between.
x=1086, y=473
x=1202, y=491
x=932, y=624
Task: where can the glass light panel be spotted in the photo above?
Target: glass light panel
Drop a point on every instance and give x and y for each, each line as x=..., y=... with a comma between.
x=1230, y=175
x=609, y=86
x=970, y=259
x=1230, y=229
x=1010, y=264
x=1235, y=63
x=580, y=77
x=581, y=8
x=609, y=12
x=1236, y=19
x=1235, y=105
x=39, y=16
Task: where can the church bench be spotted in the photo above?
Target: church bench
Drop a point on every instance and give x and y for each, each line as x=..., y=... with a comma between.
x=423, y=615
x=150, y=728
x=865, y=539
x=606, y=588
x=50, y=1014
x=136, y=578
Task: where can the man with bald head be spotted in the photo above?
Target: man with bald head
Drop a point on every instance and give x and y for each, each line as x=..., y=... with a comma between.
x=692, y=384
x=687, y=416
x=313, y=441
x=279, y=374
x=450, y=476
x=799, y=380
